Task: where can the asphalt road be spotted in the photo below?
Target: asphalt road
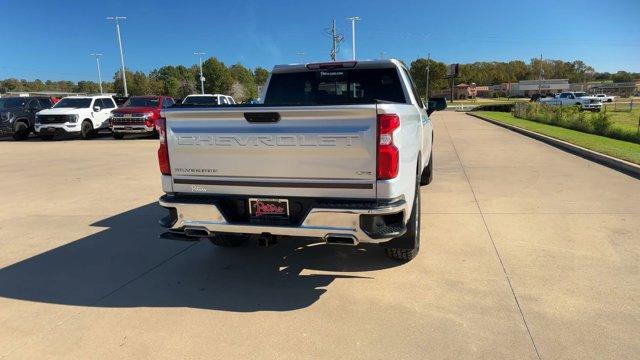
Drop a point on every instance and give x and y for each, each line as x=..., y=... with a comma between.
x=528, y=252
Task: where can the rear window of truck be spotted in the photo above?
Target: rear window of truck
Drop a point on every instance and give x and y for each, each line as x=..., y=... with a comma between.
x=335, y=87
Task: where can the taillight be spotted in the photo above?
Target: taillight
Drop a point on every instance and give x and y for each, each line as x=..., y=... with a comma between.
x=388, y=154
x=163, y=150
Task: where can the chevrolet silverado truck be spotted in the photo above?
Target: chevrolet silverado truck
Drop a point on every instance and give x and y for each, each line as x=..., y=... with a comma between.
x=138, y=115
x=579, y=99
x=83, y=115
x=337, y=151
x=18, y=114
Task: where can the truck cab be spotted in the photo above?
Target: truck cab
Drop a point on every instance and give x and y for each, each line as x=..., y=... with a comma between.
x=138, y=115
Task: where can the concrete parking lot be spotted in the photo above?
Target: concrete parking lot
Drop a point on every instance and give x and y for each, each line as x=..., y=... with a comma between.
x=527, y=252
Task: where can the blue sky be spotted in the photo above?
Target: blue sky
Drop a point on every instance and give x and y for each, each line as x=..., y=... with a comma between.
x=53, y=39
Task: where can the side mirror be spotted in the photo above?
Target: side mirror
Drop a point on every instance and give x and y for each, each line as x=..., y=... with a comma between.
x=436, y=104
x=96, y=108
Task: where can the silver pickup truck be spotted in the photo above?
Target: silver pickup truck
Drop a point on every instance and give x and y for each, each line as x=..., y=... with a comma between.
x=337, y=151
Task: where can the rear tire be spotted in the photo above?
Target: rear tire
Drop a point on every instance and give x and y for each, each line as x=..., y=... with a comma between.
x=412, y=235
x=117, y=136
x=228, y=240
x=21, y=131
x=427, y=173
x=86, y=130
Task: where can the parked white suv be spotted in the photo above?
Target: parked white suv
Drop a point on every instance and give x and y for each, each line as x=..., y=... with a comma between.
x=208, y=99
x=83, y=115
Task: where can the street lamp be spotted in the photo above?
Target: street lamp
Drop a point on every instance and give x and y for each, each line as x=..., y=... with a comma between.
x=301, y=54
x=124, y=75
x=201, y=76
x=98, y=65
x=353, y=34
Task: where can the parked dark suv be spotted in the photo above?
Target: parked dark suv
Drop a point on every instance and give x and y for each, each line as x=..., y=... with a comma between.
x=18, y=114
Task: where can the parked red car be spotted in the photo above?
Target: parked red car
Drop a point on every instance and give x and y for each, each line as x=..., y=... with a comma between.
x=138, y=115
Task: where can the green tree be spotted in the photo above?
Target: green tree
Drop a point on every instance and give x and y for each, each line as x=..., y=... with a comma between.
x=245, y=78
x=437, y=73
x=218, y=79
x=260, y=75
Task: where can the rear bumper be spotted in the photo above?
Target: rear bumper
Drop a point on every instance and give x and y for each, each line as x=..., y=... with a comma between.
x=319, y=222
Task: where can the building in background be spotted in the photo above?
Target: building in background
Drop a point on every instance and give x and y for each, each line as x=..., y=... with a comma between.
x=526, y=88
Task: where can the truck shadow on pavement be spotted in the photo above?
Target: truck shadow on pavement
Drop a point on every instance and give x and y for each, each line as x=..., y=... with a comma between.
x=126, y=265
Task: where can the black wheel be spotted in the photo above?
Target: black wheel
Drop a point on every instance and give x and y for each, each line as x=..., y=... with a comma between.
x=411, y=238
x=228, y=240
x=45, y=137
x=86, y=130
x=609, y=100
x=117, y=136
x=21, y=131
x=427, y=173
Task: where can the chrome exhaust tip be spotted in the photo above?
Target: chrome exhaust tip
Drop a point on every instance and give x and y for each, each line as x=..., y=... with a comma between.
x=341, y=239
x=197, y=231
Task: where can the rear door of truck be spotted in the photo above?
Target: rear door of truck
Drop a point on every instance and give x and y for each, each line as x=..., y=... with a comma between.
x=315, y=136
x=326, y=151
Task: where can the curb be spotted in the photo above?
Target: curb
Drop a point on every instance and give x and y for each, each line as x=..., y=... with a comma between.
x=622, y=166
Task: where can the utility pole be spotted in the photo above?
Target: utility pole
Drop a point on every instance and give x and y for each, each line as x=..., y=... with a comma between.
x=382, y=55
x=426, y=93
x=99, y=74
x=353, y=35
x=124, y=75
x=540, y=77
x=301, y=54
x=333, y=41
x=199, y=53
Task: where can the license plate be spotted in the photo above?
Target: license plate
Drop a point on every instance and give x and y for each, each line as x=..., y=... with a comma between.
x=268, y=207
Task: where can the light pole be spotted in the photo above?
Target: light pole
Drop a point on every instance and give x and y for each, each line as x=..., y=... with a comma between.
x=353, y=34
x=301, y=54
x=199, y=53
x=124, y=75
x=99, y=74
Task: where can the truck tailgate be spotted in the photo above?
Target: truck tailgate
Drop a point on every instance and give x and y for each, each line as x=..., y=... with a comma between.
x=319, y=151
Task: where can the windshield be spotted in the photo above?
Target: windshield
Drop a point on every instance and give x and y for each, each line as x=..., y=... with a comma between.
x=327, y=87
x=7, y=103
x=200, y=100
x=581, y=94
x=73, y=103
x=142, y=102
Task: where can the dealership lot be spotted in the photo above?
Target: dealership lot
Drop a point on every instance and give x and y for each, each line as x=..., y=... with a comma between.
x=527, y=252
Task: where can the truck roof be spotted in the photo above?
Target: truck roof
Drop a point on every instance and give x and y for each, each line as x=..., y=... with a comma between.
x=354, y=64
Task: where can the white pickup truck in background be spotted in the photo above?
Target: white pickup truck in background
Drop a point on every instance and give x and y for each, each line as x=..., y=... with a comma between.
x=337, y=152
x=605, y=97
x=581, y=99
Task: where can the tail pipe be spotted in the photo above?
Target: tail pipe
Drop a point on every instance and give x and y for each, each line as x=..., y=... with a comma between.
x=341, y=239
x=196, y=232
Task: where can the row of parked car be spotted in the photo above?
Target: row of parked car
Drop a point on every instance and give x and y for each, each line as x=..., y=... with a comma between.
x=49, y=117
